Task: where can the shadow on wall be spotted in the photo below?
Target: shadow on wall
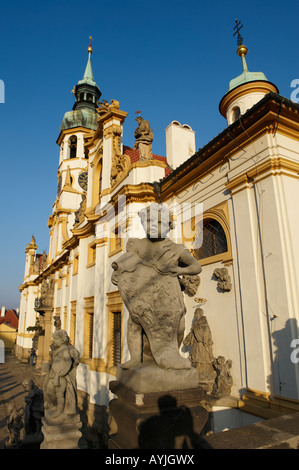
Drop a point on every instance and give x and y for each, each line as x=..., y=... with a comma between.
x=284, y=379
x=173, y=428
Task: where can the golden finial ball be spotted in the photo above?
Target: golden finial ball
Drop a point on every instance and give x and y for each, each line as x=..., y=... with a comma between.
x=242, y=50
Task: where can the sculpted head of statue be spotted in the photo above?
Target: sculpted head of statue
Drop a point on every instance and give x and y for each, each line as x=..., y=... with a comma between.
x=156, y=221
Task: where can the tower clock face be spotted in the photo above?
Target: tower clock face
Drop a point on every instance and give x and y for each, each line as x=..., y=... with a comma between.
x=82, y=180
x=59, y=185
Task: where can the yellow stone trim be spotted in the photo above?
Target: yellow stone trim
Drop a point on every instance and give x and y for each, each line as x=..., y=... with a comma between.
x=26, y=284
x=116, y=242
x=113, y=113
x=143, y=192
x=147, y=163
x=272, y=167
x=221, y=214
x=91, y=254
x=245, y=89
x=267, y=406
x=73, y=321
x=95, y=364
x=64, y=317
x=223, y=148
x=72, y=131
x=76, y=264
x=97, y=181
x=85, y=231
x=88, y=317
x=25, y=335
x=57, y=312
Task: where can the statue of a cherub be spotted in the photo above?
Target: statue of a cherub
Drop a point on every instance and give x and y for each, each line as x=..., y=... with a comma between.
x=60, y=391
x=147, y=276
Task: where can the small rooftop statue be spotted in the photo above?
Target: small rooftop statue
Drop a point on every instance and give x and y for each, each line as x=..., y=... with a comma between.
x=144, y=137
x=147, y=276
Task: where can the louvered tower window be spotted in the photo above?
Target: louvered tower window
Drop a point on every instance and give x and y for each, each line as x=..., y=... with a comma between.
x=116, y=343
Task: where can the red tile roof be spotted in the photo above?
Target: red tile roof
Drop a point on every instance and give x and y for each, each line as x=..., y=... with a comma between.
x=134, y=156
x=10, y=318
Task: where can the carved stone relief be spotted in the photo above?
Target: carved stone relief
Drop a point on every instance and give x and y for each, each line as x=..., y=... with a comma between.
x=224, y=280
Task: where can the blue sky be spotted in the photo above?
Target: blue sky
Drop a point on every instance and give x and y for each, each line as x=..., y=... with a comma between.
x=170, y=59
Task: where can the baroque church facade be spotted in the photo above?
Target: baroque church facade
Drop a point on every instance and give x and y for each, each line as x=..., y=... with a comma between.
x=235, y=207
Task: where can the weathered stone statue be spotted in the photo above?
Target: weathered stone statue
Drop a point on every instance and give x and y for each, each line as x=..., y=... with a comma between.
x=61, y=423
x=57, y=323
x=224, y=280
x=224, y=380
x=79, y=214
x=147, y=276
x=34, y=407
x=144, y=137
x=200, y=340
x=60, y=390
x=190, y=283
x=15, y=427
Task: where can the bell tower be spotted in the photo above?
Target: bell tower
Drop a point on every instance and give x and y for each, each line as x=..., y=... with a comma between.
x=72, y=176
x=246, y=89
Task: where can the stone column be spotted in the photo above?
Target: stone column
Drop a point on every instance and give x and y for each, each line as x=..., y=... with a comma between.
x=44, y=341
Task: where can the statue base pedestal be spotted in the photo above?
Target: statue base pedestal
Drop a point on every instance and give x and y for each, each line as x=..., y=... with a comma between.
x=169, y=419
x=148, y=377
x=62, y=433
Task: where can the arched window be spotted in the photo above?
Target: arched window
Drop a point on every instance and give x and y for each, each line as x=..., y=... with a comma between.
x=81, y=96
x=73, y=146
x=236, y=113
x=89, y=97
x=214, y=240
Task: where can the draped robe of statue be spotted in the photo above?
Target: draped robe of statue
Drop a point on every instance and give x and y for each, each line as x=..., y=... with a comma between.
x=147, y=279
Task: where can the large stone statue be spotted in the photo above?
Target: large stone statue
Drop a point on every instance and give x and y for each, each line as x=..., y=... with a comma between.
x=60, y=390
x=147, y=276
x=144, y=137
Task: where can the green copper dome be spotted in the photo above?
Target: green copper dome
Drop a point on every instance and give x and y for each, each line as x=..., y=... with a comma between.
x=80, y=118
x=246, y=77
x=87, y=95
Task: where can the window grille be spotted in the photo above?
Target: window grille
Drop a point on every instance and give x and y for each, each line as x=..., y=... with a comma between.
x=213, y=242
x=90, y=335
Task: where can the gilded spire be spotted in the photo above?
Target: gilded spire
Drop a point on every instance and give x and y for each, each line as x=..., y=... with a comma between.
x=242, y=50
x=88, y=75
x=89, y=50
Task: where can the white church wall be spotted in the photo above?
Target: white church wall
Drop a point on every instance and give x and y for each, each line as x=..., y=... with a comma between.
x=224, y=418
